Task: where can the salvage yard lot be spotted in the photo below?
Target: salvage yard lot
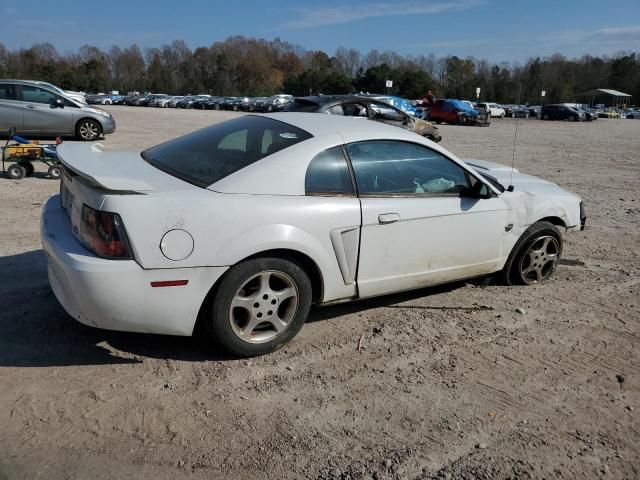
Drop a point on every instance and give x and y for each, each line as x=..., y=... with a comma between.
x=448, y=381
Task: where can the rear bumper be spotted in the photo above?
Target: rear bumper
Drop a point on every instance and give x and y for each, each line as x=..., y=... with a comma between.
x=117, y=294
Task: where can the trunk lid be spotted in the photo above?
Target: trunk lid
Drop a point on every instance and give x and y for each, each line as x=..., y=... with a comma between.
x=115, y=171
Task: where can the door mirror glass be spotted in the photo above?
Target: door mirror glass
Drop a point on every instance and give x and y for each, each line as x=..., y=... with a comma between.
x=57, y=103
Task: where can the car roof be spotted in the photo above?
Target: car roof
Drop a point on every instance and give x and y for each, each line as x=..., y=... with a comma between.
x=283, y=173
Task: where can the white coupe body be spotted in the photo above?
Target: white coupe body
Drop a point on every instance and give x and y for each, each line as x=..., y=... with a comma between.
x=359, y=244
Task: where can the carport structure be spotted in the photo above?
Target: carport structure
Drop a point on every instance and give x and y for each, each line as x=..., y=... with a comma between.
x=611, y=98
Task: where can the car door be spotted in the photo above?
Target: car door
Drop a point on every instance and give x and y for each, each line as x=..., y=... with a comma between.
x=421, y=224
x=42, y=113
x=11, y=109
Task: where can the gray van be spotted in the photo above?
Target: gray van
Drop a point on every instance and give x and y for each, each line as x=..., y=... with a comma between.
x=35, y=109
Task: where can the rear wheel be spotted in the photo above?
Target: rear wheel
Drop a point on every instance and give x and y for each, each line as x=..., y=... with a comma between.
x=545, y=117
x=16, y=172
x=535, y=256
x=259, y=306
x=88, y=129
x=55, y=171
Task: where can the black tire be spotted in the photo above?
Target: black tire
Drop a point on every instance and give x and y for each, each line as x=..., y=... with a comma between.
x=223, y=326
x=545, y=117
x=512, y=274
x=572, y=118
x=28, y=168
x=16, y=172
x=55, y=171
x=88, y=130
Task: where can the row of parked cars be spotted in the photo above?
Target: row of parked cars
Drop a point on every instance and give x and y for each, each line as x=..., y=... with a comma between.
x=273, y=103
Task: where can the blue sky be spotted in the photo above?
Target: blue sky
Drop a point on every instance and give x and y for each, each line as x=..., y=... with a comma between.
x=498, y=30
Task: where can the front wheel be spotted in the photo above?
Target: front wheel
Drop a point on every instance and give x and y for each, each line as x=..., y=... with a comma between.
x=259, y=306
x=88, y=130
x=535, y=256
x=572, y=118
x=545, y=117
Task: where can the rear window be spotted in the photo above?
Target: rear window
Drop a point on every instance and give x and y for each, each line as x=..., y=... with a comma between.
x=208, y=155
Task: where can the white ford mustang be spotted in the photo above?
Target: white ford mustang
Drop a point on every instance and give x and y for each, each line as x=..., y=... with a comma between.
x=245, y=224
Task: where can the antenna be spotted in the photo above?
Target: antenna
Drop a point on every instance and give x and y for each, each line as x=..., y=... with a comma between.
x=515, y=139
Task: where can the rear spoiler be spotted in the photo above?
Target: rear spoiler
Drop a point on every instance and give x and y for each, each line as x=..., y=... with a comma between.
x=107, y=170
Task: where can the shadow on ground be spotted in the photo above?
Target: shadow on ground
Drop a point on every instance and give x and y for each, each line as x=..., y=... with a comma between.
x=37, y=332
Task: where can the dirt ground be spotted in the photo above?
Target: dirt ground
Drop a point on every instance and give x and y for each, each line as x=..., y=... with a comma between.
x=450, y=382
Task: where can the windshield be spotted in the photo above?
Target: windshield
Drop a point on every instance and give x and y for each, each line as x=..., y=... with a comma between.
x=208, y=155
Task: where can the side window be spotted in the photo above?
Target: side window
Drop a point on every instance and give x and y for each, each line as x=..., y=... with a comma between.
x=387, y=167
x=336, y=110
x=37, y=95
x=328, y=174
x=385, y=113
x=7, y=91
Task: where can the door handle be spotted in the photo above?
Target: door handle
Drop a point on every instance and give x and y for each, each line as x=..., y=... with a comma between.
x=388, y=218
x=31, y=106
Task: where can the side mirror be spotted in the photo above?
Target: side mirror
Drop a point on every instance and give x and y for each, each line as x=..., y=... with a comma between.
x=479, y=190
x=58, y=103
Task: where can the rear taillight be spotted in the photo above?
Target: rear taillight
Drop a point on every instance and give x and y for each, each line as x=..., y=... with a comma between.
x=103, y=233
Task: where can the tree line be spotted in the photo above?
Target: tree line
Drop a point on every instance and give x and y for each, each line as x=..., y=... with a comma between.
x=250, y=66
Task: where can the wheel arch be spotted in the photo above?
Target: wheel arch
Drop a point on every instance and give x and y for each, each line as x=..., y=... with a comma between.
x=557, y=221
x=303, y=260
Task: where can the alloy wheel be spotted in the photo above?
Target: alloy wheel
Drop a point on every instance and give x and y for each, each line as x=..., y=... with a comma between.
x=540, y=260
x=264, y=306
x=88, y=130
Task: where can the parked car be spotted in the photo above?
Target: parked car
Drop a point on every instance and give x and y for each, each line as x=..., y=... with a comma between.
x=518, y=111
x=401, y=103
x=131, y=99
x=154, y=99
x=213, y=103
x=561, y=112
x=364, y=210
x=164, y=102
x=252, y=104
x=457, y=112
x=589, y=115
x=534, y=110
x=608, y=113
x=188, y=101
x=173, y=103
x=367, y=107
x=240, y=104
x=633, y=114
x=33, y=108
x=277, y=103
x=494, y=109
x=200, y=102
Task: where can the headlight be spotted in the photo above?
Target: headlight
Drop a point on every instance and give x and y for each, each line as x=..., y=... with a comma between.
x=101, y=112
